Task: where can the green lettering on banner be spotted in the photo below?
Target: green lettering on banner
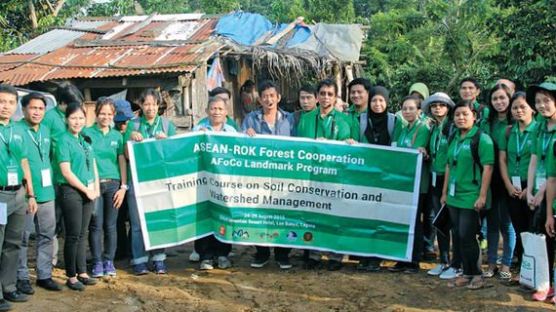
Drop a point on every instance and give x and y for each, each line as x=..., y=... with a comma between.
x=277, y=191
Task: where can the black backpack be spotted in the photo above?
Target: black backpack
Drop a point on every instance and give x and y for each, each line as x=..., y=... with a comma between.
x=474, y=146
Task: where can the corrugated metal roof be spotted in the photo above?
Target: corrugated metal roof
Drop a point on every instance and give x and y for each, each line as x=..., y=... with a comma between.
x=47, y=42
x=85, y=24
x=9, y=61
x=98, y=62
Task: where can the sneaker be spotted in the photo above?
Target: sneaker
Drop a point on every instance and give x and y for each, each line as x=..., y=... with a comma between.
x=109, y=268
x=206, y=265
x=369, y=266
x=98, y=270
x=438, y=269
x=259, y=263
x=140, y=269
x=194, y=256
x=542, y=295
x=24, y=286
x=284, y=264
x=224, y=263
x=5, y=305
x=159, y=267
x=450, y=273
x=49, y=284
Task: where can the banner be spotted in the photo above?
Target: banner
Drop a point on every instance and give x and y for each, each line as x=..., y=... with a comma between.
x=277, y=191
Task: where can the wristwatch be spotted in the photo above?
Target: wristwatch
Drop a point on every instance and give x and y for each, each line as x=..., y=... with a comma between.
x=124, y=187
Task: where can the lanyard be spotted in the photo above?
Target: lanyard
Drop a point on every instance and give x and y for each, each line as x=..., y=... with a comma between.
x=332, y=128
x=37, y=144
x=152, y=128
x=520, y=145
x=436, y=142
x=456, y=152
x=545, y=142
x=86, y=151
x=7, y=143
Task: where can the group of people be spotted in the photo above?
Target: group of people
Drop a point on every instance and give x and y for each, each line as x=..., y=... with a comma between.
x=490, y=166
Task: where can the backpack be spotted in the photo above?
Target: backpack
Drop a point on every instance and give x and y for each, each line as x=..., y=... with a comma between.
x=165, y=125
x=474, y=146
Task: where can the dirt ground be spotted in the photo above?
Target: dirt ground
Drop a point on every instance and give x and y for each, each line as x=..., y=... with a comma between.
x=242, y=288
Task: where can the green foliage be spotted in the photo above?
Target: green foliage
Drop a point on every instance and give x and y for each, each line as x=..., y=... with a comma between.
x=437, y=42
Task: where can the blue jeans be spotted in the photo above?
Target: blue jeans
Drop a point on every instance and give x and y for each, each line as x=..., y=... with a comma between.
x=499, y=221
x=104, y=218
x=138, y=252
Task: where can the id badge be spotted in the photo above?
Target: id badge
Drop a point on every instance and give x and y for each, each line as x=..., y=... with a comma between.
x=3, y=213
x=434, y=179
x=13, y=177
x=452, y=189
x=394, y=144
x=516, y=182
x=46, y=177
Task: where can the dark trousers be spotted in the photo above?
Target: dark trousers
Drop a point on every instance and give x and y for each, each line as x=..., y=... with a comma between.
x=466, y=226
x=10, y=238
x=123, y=247
x=76, y=212
x=103, y=221
x=209, y=247
x=280, y=253
x=434, y=204
x=522, y=219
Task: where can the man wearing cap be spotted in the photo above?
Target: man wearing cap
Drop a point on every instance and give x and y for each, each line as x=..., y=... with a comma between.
x=123, y=115
x=13, y=170
x=438, y=107
x=37, y=138
x=359, y=89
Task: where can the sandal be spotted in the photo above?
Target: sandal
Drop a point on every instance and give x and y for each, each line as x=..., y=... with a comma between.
x=459, y=281
x=505, y=275
x=477, y=282
x=490, y=272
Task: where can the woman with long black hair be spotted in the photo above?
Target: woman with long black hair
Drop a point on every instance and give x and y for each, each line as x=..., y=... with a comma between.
x=79, y=186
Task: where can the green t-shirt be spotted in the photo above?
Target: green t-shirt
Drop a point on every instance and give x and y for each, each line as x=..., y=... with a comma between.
x=415, y=136
x=12, y=151
x=542, y=147
x=38, y=154
x=461, y=165
x=353, y=116
x=482, y=118
x=334, y=126
x=229, y=121
x=55, y=120
x=107, y=148
x=497, y=130
x=79, y=154
x=439, y=148
x=518, y=146
x=551, y=170
x=149, y=130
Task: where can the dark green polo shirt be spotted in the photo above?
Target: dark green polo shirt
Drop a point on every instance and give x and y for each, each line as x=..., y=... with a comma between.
x=461, y=165
x=107, y=148
x=38, y=154
x=334, y=126
x=12, y=151
x=79, y=154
